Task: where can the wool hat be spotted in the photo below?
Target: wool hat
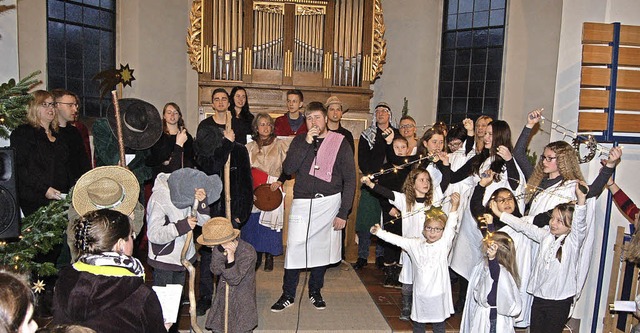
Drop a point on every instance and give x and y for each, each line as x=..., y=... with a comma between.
x=383, y=105
x=141, y=123
x=336, y=100
x=110, y=187
x=183, y=182
x=216, y=231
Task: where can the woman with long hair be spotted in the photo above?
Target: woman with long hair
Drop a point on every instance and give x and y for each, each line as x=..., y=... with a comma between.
x=105, y=290
x=41, y=156
x=242, y=117
x=266, y=153
x=174, y=149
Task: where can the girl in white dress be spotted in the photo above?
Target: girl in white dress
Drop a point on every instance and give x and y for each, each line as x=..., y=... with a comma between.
x=432, y=301
x=555, y=277
x=493, y=300
x=417, y=196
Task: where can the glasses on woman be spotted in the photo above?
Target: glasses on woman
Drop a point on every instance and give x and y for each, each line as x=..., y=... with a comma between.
x=47, y=105
x=454, y=145
x=502, y=200
x=548, y=158
x=433, y=230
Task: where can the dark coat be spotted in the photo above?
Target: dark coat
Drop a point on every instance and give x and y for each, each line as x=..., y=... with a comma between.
x=241, y=278
x=166, y=149
x=40, y=164
x=79, y=162
x=107, y=304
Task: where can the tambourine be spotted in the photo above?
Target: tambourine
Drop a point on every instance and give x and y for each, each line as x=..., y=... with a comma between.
x=265, y=199
x=589, y=143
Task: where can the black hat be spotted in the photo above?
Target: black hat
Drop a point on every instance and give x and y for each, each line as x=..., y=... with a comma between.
x=141, y=123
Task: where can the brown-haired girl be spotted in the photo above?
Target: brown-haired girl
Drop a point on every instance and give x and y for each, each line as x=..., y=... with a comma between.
x=17, y=304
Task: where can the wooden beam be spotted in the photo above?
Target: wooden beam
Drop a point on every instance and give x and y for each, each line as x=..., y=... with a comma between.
x=628, y=101
x=630, y=35
x=623, y=122
x=599, y=99
x=629, y=56
x=597, y=33
x=594, y=77
x=628, y=79
x=596, y=54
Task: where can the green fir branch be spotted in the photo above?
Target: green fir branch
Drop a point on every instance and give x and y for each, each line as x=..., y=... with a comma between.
x=14, y=101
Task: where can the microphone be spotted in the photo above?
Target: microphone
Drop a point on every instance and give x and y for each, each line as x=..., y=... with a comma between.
x=315, y=144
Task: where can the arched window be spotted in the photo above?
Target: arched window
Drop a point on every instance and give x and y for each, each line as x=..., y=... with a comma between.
x=81, y=43
x=471, y=59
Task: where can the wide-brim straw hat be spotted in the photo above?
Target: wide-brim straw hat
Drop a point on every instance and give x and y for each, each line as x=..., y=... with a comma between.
x=106, y=187
x=141, y=123
x=216, y=231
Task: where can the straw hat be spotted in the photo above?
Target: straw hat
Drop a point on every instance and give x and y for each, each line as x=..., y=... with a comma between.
x=141, y=123
x=336, y=100
x=217, y=231
x=110, y=187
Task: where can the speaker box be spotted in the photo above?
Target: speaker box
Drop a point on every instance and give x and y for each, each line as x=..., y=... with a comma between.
x=9, y=209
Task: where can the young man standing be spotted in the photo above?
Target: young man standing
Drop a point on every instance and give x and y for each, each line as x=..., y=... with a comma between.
x=292, y=123
x=334, y=115
x=66, y=105
x=322, y=197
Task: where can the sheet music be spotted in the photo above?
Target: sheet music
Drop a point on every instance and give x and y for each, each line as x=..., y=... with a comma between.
x=169, y=297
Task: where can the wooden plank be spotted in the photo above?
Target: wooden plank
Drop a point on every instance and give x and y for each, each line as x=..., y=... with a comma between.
x=593, y=121
x=596, y=54
x=629, y=56
x=630, y=35
x=593, y=99
x=628, y=79
x=599, y=99
x=594, y=77
x=610, y=318
x=597, y=33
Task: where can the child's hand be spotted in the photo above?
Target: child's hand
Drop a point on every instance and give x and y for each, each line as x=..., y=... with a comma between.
x=534, y=117
x=394, y=212
x=230, y=249
x=504, y=153
x=193, y=221
x=614, y=157
x=468, y=125
x=486, y=178
x=374, y=229
x=582, y=196
x=201, y=195
x=487, y=218
x=367, y=181
x=492, y=250
x=275, y=185
x=444, y=157
x=455, y=201
x=388, y=135
x=494, y=208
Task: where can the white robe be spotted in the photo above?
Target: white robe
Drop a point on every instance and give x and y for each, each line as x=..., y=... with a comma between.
x=432, y=300
x=323, y=246
x=475, y=317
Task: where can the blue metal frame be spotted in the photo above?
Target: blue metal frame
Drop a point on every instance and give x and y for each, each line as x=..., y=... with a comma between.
x=609, y=137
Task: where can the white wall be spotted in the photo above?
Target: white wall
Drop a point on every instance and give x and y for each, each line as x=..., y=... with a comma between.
x=9, y=47
x=575, y=12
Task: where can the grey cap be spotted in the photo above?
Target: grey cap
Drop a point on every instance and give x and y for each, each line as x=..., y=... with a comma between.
x=183, y=182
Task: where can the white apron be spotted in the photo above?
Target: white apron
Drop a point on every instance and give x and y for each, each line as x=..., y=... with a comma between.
x=323, y=246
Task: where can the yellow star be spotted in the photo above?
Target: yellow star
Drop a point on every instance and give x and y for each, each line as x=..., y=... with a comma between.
x=38, y=286
x=126, y=75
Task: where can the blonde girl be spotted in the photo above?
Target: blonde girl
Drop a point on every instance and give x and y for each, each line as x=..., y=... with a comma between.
x=555, y=278
x=493, y=300
x=417, y=194
x=432, y=301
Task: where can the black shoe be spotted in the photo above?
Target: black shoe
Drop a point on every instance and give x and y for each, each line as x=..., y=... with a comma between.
x=317, y=301
x=380, y=262
x=268, y=262
x=282, y=303
x=258, y=260
x=202, y=306
x=359, y=264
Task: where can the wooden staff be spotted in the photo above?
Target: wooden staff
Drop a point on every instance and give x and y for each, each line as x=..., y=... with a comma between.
x=116, y=109
x=192, y=275
x=227, y=208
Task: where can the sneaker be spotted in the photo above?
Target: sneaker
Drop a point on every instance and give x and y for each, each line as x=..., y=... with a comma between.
x=359, y=264
x=282, y=303
x=317, y=301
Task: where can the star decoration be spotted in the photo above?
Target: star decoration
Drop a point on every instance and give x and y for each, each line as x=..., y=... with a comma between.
x=126, y=75
x=38, y=286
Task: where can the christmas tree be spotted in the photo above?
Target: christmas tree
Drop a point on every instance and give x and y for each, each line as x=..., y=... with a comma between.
x=14, y=101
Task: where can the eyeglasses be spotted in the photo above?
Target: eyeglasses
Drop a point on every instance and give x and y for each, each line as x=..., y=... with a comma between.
x=70, y=104
x=548, y=158
x=407, y=126
x=433, y=230
x=454, y=145
x=506, y=199
x=48, y=105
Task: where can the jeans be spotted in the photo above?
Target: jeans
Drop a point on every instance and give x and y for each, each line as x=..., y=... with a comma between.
x=422, y=327
x=291, y=277
x=364, y=241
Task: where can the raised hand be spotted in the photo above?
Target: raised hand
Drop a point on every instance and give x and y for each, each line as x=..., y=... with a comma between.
x=504, y=152
x=455, y=201
x=468, y=125
x=486, y=178
x=614, y=157
x=534, y=117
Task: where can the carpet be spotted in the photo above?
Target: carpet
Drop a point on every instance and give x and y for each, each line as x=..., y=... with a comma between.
x=349, y=306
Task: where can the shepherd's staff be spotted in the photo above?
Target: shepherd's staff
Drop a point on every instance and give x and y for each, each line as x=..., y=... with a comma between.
x=227, y=206
x=116, y=109
x=192, y=273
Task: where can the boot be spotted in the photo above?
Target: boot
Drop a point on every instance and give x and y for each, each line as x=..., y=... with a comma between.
x=405, y=313
x=388, y=279
x=258, y=260
x=361, y=262
x=396, y=276
x=268, y=262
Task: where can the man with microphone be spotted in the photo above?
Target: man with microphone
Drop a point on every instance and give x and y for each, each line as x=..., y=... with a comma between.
x=322, y=197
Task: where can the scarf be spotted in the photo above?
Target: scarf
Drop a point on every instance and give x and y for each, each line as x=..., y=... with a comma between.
x=326, y=157
x=114, y=259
